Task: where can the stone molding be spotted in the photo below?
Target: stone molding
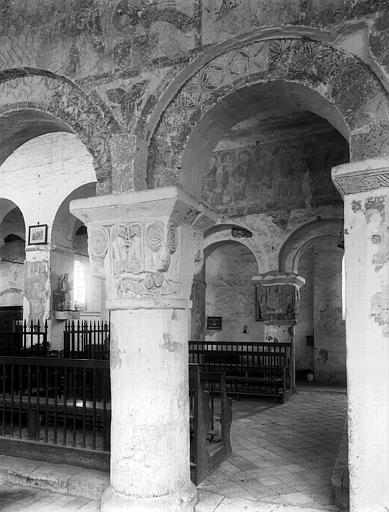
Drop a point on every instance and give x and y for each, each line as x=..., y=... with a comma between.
x=361, y=176
x=146, y=244
x=278, y=295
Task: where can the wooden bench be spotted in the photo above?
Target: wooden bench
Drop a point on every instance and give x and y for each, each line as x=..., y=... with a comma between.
x=257, y=369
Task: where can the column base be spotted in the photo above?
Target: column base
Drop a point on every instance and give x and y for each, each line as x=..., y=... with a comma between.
x=113, y=501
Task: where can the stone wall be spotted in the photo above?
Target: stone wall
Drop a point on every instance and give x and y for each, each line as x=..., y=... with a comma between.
x=320, y=313
x=12, y=256
x=329, y=326
x=230, y=293
x=304, y=327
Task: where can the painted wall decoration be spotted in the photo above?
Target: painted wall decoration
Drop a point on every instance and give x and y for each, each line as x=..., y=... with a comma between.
x=278, y=304
x=283, y=175
x=127, y=100
x=338, y=77
x=152, y=30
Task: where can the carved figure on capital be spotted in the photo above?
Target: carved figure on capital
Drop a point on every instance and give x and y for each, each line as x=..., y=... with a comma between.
x=126, y=249
x=140, y=259
x=278, y=304
x=97, y=248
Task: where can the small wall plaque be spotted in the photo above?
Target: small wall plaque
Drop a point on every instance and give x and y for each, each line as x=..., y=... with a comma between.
x=214, y=323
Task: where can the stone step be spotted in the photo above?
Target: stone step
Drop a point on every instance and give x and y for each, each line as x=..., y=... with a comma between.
x=57, y=478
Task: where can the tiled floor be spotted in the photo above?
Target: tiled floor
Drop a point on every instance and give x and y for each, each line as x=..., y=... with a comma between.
x=283, y=454
x=21, y=499
x=282, y=460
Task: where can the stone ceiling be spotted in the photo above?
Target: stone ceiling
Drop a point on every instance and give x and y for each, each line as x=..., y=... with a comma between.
x=275, y=125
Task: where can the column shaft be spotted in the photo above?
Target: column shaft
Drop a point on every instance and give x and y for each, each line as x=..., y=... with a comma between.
x=150, y=411
x=365, y=187
x=367, y=335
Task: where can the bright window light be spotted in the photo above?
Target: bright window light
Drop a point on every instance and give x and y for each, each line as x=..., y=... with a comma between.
x=79, y=284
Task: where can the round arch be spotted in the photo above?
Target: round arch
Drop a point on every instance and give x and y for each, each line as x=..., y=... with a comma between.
x=223, y=233
x=342, y=81
x=65, y=225
x=54, y=103
x=292, y=249
x=6, y=206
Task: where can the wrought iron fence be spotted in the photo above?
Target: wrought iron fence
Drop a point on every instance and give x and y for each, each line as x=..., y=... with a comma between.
x=19, y=337
x=60, y=409
x=55, y=401
x=86, y=340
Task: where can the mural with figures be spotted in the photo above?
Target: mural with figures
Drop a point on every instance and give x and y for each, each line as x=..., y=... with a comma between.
x=283, y=175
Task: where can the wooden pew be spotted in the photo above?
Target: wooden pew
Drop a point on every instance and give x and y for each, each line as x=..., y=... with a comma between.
x=257, y=369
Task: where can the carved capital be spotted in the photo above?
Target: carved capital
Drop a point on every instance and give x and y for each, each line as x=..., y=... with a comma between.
x=278, y=296
x=362, y=176
x=145, y=244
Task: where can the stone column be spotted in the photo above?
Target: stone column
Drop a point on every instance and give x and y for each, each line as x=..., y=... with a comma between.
x=143, y=242
x=365, y=189
x=278, y=295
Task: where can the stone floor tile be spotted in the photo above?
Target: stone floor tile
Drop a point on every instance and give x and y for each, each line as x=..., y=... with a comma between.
x=92, y=506
x=208, y=501
x=241, y=505
x=256, y=489
x=55, y=502
x=282, y=488
x=297, y=498
x=269, y=480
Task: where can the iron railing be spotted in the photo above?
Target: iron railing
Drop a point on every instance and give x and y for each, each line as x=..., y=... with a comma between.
x=86, y=340
x=19, y=337
x=55, y=401
x=60, y=409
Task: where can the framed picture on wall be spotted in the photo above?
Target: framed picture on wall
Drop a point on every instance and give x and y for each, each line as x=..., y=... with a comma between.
x=214, y=323
x=37, y=235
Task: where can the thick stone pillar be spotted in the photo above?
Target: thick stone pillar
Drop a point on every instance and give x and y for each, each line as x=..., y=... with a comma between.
x=278, y=295
x=144, y=244
x=365, y=188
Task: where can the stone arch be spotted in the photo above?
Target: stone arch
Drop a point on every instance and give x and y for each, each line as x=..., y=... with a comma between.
x=223, y=234
x=292, y=249
x=344, y=89
x=60, y=105
x=65, y=224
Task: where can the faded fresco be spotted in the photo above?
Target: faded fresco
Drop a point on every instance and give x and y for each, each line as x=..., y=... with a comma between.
x=283, y=175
